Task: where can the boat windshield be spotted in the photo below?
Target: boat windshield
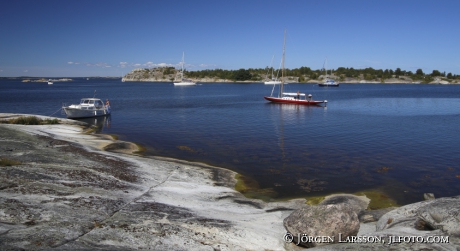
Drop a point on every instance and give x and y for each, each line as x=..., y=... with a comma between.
x=87, y=101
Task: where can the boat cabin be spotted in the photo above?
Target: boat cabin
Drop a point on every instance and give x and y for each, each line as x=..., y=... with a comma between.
x=296, y=96
x=88, y=103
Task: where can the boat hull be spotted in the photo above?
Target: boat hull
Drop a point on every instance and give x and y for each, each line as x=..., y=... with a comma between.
x=327, y=85
x=75, y=113
x=184, y=83
x=294, y=101
x=272, y=82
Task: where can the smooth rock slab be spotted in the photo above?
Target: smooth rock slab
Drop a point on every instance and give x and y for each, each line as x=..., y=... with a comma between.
x=442, y=214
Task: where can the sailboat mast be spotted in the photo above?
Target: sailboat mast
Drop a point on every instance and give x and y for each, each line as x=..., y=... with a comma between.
x=182, y=72
x=282, y=72
x=271, y=64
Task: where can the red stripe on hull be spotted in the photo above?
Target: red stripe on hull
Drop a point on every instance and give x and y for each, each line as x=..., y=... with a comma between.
x=291, y=101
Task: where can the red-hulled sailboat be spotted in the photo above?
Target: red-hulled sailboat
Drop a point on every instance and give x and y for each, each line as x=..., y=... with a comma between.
x=291, y=97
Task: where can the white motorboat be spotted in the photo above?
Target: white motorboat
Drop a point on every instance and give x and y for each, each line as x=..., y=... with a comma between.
x=50, y=82
x=88, y=107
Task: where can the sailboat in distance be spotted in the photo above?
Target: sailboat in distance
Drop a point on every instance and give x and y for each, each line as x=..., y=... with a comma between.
x=291, y=97
x=183, y=81
x=273, y=80
x=327, y=81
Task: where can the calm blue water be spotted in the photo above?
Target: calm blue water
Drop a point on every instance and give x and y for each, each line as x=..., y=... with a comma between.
x=399, y=139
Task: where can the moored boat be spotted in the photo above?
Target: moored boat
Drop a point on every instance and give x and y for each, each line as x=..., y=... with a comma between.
x=328, y=82
x=184, y=81
x=274, y=80
x=296, y=98
x=288, y=97
x=88, y=107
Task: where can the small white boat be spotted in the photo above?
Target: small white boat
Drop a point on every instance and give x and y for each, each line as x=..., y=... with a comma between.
x=272, y=82
x=88, y=107
x=184, y=81
x=50, y=82
x=328, y=82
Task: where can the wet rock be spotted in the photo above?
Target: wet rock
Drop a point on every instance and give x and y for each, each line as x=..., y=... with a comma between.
x=373, y=215
x=358, y=203
x=428, y=196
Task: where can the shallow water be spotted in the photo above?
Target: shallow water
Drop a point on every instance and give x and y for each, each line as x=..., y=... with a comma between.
x=401, y=140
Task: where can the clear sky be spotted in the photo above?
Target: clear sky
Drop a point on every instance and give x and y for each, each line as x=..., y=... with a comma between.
x=76, y=38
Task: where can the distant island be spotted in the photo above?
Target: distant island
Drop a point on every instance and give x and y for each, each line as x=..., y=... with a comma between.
x=297, y=75
x=46, y=80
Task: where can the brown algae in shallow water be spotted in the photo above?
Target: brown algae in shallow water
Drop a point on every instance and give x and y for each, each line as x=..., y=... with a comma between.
x=186, y=148
x=378, y=200
x=114, y=137
x=250, y=189
x=141, y=150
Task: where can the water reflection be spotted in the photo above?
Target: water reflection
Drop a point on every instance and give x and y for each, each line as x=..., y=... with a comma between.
x=99, y=122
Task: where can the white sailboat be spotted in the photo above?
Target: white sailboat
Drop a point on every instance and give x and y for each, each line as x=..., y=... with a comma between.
x=327, y=81
x=273, y=80
x=184, y=81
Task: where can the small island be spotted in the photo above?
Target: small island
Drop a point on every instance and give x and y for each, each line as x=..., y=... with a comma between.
x=25, y=80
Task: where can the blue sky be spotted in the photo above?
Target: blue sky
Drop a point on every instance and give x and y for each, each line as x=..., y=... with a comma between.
x=70, y=38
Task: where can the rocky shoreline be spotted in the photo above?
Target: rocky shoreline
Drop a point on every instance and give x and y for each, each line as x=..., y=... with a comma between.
x=354, y=81
x=70, y=190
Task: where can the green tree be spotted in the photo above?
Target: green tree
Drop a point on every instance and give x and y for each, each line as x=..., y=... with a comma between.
x=435, y=73
x=242, y=75
x=419, y=72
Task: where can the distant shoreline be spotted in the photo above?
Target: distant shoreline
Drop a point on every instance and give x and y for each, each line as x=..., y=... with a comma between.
x=309, y=82
x=208, y=80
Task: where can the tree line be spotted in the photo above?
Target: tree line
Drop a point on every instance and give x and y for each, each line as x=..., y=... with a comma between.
x=304, y=74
